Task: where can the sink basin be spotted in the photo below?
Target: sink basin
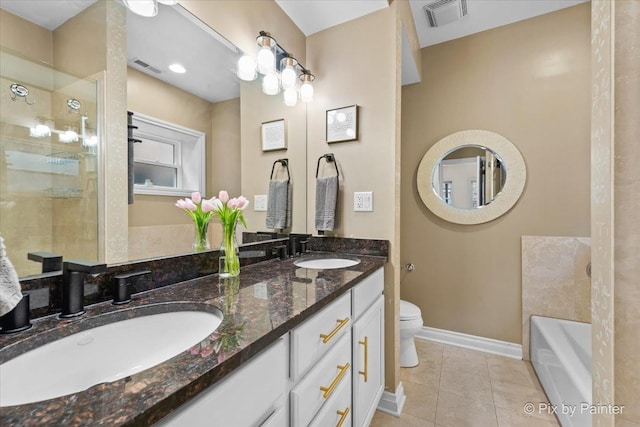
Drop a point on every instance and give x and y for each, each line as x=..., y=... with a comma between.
x=327, y=263
x=103, y=354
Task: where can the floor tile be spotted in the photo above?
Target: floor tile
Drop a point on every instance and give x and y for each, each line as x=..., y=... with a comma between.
x=429, y=351
x=505, y=370
x=465, y=360
x=466, y=384
x=380, y=419
x=506, y=418
x=514, y=397
x=421, y=401
x=426, y=373
x=456, y=411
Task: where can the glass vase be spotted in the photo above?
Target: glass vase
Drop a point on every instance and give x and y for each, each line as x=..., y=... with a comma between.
x=230, y=264
x=201, y=240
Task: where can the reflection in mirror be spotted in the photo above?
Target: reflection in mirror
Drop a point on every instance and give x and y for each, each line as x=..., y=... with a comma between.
x=49, y=130
x=469, y=177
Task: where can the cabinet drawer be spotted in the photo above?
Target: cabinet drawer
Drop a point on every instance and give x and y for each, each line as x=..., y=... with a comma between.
x=279, y=418
x=366, y=292
x=261, y=381
x=337, y=411
x=315, y=337
x=321, y=383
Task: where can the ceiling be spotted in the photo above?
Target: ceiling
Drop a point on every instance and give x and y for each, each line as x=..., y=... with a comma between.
x=312, y=16
x=482, y=15
x=49, y=14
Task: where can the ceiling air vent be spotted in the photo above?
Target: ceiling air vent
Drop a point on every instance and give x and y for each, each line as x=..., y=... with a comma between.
x=442, y=12
x=140, y=63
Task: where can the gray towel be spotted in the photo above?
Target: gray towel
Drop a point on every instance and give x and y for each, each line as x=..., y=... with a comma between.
x=326, y=201
x=279, y=205
x=10, y=294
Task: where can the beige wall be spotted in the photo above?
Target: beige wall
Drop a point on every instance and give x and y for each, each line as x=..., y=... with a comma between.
x=627, y=212
x=369, y=164
x=79, y=45
x=225, y=140
x=529, y=82
x=27, y=39
x=616, y=209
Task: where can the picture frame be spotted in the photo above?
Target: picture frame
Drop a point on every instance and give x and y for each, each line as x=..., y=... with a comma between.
x=342, y=124
x=273, y=135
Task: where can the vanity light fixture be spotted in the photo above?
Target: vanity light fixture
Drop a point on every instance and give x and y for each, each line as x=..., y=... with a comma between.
x=279, y=69
x=146, y=8
x=68, y=135
x=177, y=68
x=306, y=90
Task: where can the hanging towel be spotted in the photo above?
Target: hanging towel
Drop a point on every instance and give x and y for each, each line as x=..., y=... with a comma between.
x=326, y=201
x=279, y=205
x=10, y=294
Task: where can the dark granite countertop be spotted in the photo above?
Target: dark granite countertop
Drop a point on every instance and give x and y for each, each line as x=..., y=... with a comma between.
x=262, y=304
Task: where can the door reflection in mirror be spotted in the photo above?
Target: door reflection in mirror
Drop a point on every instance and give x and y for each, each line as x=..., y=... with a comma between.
x=469, y=177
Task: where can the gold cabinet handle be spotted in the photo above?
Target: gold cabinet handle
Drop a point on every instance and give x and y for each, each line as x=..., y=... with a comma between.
x=365, y=373
x=341, y=324
x=326, y=391
x=343, y=416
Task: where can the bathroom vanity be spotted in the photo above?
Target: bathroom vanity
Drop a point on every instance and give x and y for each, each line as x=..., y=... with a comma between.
x=296, y=346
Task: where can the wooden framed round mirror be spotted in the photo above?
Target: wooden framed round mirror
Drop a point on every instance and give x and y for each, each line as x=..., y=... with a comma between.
x=471, y=177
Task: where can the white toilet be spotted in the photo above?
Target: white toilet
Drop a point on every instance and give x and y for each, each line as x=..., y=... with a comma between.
x=410, y=324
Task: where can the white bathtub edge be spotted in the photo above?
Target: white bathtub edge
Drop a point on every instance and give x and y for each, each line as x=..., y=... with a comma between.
x=472, y=342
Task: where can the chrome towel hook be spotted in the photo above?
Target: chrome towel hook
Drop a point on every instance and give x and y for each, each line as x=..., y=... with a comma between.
x=18, y=90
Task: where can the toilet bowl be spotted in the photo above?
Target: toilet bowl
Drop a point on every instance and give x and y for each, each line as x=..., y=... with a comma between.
x=410, y=324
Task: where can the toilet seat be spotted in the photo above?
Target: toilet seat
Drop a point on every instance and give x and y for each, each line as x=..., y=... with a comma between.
x=409, y=311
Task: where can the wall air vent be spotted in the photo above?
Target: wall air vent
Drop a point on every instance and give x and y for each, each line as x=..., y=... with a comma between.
x=141, y=64
x=442, y=12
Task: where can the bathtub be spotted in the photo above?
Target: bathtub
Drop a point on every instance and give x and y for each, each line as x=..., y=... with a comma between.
x=561, y=356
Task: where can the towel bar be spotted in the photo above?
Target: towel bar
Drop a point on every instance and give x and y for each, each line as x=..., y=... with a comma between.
x=285, y=164
x=330, y=158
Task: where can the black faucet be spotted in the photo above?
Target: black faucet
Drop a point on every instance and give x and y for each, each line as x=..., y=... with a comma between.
x=73, y=274
x=50, y=262
x=295, y=243
x=122, y=286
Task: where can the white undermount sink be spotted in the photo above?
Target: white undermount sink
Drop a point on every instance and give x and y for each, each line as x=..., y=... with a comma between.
x=103, y=354
x=327, y=263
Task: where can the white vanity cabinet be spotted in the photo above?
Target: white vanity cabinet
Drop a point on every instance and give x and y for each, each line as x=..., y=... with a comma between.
x=368, y=347
x=250, y=396
x=327, y=371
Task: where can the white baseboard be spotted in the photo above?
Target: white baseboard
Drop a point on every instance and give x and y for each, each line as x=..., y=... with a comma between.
x=392, y=403
x=487, y=345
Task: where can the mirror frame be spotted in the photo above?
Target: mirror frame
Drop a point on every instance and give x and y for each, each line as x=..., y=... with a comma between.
x=503, y=202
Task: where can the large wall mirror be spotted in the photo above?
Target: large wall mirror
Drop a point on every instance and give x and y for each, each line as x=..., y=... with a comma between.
x=471, y=177
x=60, y=46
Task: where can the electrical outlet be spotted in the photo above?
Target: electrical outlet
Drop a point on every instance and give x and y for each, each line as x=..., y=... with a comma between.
x=363, y=201
x=260, y=203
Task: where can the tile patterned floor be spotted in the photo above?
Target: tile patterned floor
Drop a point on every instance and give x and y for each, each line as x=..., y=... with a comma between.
x=456, y=387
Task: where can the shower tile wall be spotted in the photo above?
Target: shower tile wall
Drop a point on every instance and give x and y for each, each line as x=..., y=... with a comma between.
x=554, y=280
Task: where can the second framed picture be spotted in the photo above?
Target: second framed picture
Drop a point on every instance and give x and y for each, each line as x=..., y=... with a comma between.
x=273, y=136
x=342, y=124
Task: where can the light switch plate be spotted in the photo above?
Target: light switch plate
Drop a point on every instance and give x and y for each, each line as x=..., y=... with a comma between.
x=260, y=203
x=363, y=201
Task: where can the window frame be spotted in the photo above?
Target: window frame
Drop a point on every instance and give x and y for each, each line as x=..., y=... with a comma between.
x=190, y=139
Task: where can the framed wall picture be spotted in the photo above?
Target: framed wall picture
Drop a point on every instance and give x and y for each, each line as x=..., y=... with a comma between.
x=273, y=135
x=342, y=124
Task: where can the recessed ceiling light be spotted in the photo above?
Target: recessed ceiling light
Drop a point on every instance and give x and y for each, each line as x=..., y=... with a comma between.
x=177, y=68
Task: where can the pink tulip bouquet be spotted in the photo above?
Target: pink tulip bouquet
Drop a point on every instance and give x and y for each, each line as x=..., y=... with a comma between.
x=229, y=211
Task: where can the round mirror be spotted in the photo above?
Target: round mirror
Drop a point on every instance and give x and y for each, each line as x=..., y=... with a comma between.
x=463, y=177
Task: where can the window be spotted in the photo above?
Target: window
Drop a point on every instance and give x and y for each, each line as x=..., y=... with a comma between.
x=169, y=160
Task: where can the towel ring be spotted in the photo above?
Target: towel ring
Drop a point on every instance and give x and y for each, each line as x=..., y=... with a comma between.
x=330, y=158
x=285, y=164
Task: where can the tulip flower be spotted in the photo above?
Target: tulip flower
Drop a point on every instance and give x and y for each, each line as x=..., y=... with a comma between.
x=196, y=197
x=223, y=196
